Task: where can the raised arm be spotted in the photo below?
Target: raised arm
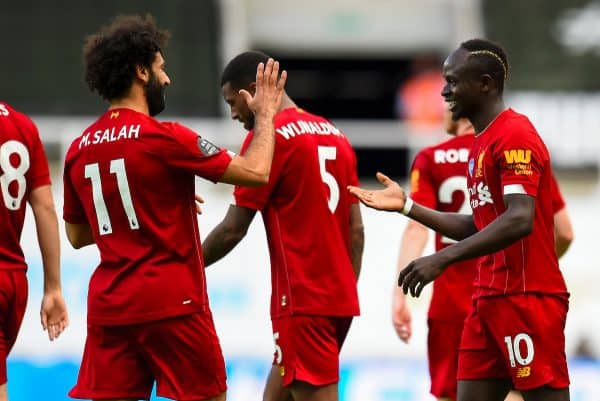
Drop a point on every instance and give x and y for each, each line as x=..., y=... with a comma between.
x=254, y=166
x=392, y=198
x=53, y=311
x=227, y=234
x=515, y=223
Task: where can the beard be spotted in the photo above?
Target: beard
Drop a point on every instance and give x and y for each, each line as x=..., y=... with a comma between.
x=249, y=122
x=155, y=96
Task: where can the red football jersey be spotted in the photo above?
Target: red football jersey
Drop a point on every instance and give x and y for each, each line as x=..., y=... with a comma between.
x=509, y=157
x=558, y=201
x=438, y=180
x=306, y=212
x=131, y=178
x=23, y=167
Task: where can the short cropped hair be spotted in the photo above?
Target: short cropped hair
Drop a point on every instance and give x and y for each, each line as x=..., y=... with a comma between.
x=112, y=54
x=240, y=72
x=491, y=58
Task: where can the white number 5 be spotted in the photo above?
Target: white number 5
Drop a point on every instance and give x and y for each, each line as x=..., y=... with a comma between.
x=329, y=153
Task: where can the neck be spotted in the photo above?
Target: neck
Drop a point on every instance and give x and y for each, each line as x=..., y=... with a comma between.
x=135, y=100
x=286, y=102
x=487, y=115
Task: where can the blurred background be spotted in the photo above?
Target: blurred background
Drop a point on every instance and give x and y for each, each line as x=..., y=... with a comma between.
x=374, y=69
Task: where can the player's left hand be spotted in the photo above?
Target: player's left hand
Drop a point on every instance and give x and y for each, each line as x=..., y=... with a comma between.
x=420, y=272
x=391, y=198
x=199, y=201
x=54, y=314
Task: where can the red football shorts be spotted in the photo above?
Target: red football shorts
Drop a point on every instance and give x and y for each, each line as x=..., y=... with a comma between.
x=307, y=348
x=519, y=337
x=13, y=300
x=181, y=353
x=443, y=341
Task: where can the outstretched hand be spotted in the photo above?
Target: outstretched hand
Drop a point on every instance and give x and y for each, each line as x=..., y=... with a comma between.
x=269, y=89
x=420, y=272
x=53, y=314
x=391, y=198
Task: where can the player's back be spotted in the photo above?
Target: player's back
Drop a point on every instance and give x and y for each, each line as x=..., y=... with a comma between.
x=438, y=181
x=133, y=180
x=23, y=167
x=306, y=210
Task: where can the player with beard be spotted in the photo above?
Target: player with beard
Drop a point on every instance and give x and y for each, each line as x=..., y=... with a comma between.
x=24, y=178
x=129, y=188
x=514, y=333
x=315, y=237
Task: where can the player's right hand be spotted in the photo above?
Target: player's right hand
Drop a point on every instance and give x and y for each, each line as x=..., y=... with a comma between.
x=53, y=314
x=401, y=316
x=269, y=89
x=391, y=198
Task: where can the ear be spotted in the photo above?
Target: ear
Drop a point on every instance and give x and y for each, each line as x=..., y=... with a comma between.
x=142, y=73
x=252, y=88
x=487, y=83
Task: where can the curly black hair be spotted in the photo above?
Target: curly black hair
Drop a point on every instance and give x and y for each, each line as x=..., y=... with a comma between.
x=491, y=58
x=112, y=54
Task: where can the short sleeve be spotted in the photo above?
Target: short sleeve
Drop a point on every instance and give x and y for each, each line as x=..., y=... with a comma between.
x=521, y=158
x=558, y=202
x=256, y=198
x=182, y=148
x=422, y=187
x=73, y=211
x=38, y=173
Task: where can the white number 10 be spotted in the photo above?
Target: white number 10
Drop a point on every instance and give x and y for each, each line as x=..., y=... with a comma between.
x=117, y=167
x=329, y=153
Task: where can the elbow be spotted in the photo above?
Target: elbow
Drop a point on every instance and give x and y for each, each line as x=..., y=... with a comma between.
x=523, y=227
x=258, y=178
x=234, y=234
x=75, y=242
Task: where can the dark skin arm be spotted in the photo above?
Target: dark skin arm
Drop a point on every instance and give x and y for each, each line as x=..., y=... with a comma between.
x=515, y=223
x=392, y=199
x=227, y=234
x=357, y=238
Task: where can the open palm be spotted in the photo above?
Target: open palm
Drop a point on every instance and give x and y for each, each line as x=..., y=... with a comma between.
x=391, y=198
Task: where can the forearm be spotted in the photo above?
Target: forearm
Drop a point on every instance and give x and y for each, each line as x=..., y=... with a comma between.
x=563, y=232
x=357, y=243
x=227, y=234
x=453, y=225
x=357, y=239
x=412, y=246
x=499, y=234
x=219, y=243
x=46, y=223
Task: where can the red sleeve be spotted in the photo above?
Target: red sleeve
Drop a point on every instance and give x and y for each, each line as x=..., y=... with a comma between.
x=558, y=202
x=257, y=197
x=422, y=187
x=183, y=148
x=73, y=211
x=520, y=157
x=38, y=173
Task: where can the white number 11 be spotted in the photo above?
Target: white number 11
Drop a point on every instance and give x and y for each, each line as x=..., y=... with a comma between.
x=117, y=167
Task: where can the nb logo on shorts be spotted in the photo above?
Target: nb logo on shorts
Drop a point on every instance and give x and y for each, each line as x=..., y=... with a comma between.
x=523, y=372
